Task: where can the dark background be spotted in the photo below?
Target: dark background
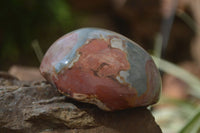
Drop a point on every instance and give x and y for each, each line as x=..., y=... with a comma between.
x=23, y=21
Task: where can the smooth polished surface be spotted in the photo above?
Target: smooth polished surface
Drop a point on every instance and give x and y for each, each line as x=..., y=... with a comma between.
x=103, y=68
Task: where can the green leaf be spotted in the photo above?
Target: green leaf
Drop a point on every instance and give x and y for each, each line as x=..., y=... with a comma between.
x=193, y=125
x=180, y=73
x=37, y=50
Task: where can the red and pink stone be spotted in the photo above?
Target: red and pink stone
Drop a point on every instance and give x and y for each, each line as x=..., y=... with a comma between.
x=103, y=68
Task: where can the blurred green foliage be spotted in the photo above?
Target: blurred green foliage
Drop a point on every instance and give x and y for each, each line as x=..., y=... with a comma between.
x=23, y=21
x=185, y=113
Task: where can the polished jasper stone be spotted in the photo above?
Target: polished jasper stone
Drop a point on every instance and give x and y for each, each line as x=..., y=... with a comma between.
x=102, y=67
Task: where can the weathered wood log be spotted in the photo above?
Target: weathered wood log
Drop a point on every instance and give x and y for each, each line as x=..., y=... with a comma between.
x=32, y=107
